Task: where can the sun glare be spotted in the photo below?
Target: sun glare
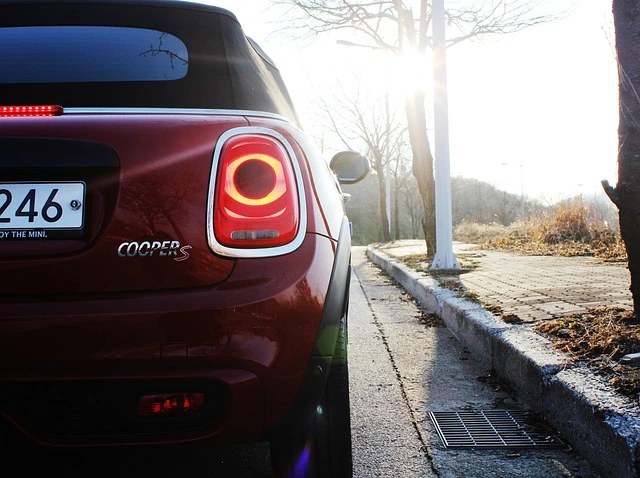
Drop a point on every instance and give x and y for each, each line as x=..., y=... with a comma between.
x=396, y=75
x=411, y=71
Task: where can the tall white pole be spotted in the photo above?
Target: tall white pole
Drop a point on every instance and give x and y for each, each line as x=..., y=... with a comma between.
x=387, y=190
x=444, y=257
x=387, y=182
x=521, y=193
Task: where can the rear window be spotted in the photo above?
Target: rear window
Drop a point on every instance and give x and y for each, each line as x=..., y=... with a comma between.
x=84, y=54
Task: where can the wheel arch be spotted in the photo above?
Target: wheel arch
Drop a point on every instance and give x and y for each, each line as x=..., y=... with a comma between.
x=317, y=372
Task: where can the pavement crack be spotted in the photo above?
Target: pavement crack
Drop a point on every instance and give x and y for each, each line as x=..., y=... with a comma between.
x=405, y=398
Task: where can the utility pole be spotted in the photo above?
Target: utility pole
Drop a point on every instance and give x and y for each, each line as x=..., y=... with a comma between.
x=444, y=257
x=521, y=193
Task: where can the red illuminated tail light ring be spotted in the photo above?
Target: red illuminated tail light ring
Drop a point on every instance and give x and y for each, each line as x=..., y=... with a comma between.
x=275, y=192
x=214, y=244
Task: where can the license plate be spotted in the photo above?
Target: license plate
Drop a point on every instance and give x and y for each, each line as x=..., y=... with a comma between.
x=43, y=206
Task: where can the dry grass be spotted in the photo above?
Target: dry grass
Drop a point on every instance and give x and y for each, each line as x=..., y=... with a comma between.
x=473, y=233
x=565, y=231
x=420, y=263
x=600, y=338
x=417, y=262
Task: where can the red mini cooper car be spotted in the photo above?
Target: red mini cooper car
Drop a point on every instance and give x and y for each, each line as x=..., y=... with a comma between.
x=174, y=253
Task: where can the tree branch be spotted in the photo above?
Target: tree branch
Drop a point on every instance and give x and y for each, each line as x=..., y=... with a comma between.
x=611, y=192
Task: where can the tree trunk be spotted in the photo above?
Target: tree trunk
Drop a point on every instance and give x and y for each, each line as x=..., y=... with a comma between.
x=423, y=166
x=626, y=195
x=384, y=215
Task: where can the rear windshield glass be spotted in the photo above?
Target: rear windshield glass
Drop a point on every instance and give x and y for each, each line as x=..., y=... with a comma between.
x=80, y=54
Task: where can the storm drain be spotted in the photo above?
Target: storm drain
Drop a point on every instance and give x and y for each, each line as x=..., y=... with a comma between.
x=490, y=429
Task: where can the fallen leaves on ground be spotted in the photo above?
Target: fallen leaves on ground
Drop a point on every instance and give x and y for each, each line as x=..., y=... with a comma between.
x=430, y=320
x=600, y=338
x=511, y=319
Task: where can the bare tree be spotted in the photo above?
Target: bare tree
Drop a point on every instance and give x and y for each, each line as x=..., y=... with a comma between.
x=479, y=202
x=412, y=205
x=400, y=176
x=626, y=194
x=354, y=118
x=402, y=27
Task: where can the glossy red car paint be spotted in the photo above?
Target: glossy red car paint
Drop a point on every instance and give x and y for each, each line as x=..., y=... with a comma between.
x=156, y=314
x=153, y=296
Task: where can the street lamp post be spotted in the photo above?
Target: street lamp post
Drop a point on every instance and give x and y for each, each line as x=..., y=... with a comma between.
x=444, y=257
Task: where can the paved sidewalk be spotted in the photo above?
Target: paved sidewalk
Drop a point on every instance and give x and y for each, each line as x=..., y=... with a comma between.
x=534, y=287
x=602, y=425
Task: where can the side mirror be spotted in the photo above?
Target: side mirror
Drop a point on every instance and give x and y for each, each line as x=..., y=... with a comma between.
x=350, y=167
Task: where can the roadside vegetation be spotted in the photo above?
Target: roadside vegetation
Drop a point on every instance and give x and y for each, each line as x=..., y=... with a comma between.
x=483, y=214
x=570, y=228
x=600, y=339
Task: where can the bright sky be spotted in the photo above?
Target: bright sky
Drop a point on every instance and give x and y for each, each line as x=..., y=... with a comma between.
x=541, y=102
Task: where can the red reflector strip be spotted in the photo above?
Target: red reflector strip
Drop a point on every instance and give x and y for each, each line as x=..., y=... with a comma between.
x=169, y=404
x=30, y=111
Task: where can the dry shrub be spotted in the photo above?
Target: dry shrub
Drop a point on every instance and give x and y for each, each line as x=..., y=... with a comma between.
x=474, y=233
x=567, y=230
x=567, y=223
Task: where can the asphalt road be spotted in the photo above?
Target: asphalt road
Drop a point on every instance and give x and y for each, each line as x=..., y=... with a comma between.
x=400, y=369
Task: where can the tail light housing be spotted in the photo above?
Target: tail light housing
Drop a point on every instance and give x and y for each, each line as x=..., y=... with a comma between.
x=256, y=206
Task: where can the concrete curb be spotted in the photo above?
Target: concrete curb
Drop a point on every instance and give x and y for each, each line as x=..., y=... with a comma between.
x=602, y=426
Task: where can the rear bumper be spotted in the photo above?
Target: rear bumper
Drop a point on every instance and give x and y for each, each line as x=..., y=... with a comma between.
x=71, y=371
x=102, y=411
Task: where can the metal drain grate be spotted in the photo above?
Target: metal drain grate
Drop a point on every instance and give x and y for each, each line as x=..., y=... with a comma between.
x=490, y=429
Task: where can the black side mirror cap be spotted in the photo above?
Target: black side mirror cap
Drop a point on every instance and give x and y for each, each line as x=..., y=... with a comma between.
x=350, y=167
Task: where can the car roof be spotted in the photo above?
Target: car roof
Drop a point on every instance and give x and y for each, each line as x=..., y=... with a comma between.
x=184, y=4
x=227, y=69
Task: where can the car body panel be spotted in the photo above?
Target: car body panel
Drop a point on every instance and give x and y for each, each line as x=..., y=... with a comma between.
x=142, y=301
x=156, y=195
x=155, y=336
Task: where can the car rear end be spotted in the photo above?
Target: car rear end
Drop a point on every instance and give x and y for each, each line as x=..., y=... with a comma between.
x=173, y=252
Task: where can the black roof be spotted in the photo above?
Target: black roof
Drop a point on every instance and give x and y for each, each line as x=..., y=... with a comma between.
x=184, y=4
x=226, y=69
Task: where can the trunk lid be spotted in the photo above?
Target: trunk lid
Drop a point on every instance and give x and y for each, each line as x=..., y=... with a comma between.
x=145, y=180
